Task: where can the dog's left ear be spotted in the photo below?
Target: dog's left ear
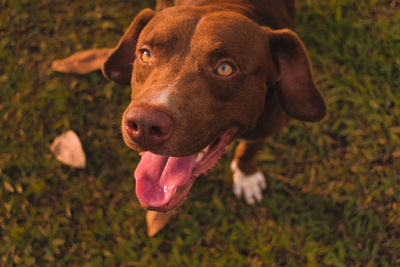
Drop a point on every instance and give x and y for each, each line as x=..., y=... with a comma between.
x=298, y=93
x=118, y=66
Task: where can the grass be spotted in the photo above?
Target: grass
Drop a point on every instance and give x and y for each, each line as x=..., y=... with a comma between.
x=333, y=196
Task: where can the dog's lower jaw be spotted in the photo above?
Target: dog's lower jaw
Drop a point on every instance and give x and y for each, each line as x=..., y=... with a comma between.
x=163, y=182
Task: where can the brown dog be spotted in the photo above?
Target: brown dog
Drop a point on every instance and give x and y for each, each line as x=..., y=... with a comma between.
x=202, y=74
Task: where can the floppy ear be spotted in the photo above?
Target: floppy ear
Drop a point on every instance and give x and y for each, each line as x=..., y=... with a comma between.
x=118, y=66
x=299, y=96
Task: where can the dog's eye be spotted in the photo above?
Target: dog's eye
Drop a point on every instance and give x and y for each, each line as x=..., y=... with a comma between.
x=145, y=56
x=224, y=69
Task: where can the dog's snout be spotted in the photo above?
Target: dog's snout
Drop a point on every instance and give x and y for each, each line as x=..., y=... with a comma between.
x=148, y=127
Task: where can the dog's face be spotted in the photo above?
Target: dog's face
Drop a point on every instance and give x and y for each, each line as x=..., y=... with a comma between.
x=204, y=71
x=199, y=78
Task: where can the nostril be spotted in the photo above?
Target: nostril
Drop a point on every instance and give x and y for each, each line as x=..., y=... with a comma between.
x=148, y=127
x=133, y=126
x=156, y=131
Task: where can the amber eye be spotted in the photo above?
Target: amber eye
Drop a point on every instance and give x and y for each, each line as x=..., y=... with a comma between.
x=224, y=69
x=145, y=56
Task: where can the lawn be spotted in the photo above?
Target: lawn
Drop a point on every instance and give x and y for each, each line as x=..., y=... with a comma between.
x=334, y=187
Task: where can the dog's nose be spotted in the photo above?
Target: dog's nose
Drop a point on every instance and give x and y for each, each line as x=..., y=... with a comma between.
x=148, y=126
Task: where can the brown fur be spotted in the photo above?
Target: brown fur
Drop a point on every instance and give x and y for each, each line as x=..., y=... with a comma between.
x=273, y=82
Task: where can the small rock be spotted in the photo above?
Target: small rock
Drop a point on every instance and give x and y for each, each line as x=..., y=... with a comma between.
x=68, y=149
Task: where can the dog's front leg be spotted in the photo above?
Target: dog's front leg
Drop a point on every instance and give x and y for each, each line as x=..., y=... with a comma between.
x=248, y=180
x=157, y=220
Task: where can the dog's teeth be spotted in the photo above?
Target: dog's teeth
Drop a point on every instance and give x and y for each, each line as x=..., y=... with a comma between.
x=199, y=156
x=205, y=149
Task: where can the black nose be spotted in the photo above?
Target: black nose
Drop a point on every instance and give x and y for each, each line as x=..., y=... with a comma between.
x=148, y=126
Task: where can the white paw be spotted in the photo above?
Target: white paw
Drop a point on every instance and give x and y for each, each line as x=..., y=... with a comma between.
x=250, y=186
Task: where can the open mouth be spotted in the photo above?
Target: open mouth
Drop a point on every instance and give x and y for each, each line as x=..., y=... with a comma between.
x=163, y=182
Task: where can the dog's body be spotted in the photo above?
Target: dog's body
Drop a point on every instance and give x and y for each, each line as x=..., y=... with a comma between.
x=202, y=74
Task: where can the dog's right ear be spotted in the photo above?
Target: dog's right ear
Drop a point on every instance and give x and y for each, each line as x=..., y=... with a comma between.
x=118, y=66
x=299, y=96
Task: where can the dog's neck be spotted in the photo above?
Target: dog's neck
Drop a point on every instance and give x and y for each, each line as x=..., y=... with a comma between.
x=272, y=13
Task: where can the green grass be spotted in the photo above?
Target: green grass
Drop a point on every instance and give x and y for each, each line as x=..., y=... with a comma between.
x=333, y=196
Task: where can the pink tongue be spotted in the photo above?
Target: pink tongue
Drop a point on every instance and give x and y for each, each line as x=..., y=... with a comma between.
x=157, y=177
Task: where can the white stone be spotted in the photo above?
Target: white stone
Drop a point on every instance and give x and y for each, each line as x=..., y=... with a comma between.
x=68, y=149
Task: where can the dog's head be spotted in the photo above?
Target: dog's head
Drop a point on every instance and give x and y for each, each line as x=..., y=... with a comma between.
x=199, y=78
